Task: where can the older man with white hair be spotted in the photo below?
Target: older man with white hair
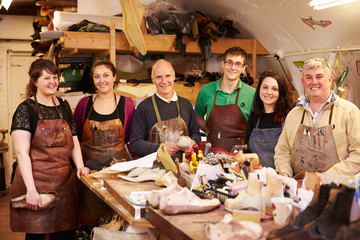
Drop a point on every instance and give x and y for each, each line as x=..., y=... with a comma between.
x=322, y=133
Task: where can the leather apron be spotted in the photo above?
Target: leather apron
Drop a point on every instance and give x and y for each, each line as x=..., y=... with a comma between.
x=50, y=153
x=101, y=141
x=314, y=149
x=263, y=142
x=168, y=130
x=226, y=126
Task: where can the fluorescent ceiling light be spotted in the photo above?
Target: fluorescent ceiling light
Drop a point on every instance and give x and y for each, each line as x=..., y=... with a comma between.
x=322, y=4
x=5, y=4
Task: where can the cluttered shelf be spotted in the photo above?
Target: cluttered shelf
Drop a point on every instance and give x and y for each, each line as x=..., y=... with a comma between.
x=83, y=42
x=98, y=44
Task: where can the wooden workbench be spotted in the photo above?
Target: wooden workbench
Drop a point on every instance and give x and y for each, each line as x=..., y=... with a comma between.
x=191, y=226
x=110, y=200
x=181, y=226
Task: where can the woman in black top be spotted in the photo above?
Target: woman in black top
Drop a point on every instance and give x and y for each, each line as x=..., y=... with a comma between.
x=44, y=135
x=271, y=104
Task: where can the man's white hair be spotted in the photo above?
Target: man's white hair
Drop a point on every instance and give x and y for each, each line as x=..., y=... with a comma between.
x=315, y=63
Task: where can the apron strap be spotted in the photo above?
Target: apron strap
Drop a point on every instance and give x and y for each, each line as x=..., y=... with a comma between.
x=39, y=111
x=38, y=108
x=92, y=107
x=156, y=110
x=257, y=122
x=331, y=112
x=302, y=119
x=178, y=108
x=237, y=97
x=215, y=98
x=330, y=116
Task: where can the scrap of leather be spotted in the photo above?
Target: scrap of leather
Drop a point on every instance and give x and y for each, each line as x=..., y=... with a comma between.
x=48, y=201
x=165, y=158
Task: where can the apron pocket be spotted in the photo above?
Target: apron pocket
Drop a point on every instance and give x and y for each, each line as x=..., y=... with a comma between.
x=54, y=137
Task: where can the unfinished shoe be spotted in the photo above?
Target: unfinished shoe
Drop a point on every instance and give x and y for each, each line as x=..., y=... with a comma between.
x=184, y=142
x=272, y=189
x=156, y=195
x=165, y=179
x=250, y=197
x=147, y=175
x=48, y=200
x=186, y=201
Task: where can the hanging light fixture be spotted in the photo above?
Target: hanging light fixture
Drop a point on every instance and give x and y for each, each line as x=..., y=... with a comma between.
x=5, y=4
x=322, y=4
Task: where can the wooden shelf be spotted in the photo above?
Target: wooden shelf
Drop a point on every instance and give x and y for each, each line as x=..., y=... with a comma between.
x=100, y=44
x=85, y=42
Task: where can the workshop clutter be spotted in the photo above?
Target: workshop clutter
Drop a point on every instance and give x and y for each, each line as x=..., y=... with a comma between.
x=329, y=213
x=229, y=228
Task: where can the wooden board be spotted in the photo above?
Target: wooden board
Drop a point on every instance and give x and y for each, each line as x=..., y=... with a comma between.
x=154, y=43
x=108, y=198
x=118, y=188
x=191, y=226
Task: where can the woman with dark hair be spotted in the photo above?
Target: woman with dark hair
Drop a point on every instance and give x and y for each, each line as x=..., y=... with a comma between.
x=103, y=121
x=44, y=135
x=271, y=104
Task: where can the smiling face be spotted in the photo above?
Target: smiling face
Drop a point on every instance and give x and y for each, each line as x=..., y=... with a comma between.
x=163, y=76
x=104, y=79
x=233, y=66
x=47, y=83
x=317, y=83
x=269, y=92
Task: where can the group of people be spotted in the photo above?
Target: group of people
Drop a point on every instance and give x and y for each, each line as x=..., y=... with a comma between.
x=320, y=133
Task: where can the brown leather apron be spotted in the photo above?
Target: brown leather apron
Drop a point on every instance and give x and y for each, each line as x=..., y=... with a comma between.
x=226, y=126
x=103, y=140
x=50, y=153
x=169, y=130
x=314, y=148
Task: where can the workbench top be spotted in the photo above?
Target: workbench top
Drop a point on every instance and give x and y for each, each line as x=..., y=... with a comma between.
x=181, y=226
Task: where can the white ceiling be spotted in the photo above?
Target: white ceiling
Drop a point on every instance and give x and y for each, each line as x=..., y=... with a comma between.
x=278, y=26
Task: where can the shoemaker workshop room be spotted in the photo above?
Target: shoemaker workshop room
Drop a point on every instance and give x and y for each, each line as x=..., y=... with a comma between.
x=179, y=119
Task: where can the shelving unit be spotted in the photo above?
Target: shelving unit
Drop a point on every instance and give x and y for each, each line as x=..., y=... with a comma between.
x=100, y=44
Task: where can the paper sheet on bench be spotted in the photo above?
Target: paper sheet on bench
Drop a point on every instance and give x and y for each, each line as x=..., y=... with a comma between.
x=146, y=161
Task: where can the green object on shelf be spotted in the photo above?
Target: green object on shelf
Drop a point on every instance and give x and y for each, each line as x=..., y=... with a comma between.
x=73, y=75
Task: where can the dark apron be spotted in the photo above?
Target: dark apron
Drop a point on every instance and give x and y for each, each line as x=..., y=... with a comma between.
x=50, y=153
x=226, y=126
x=263, y=142
x=169, y=130
x=314, y=149
x=101, y=141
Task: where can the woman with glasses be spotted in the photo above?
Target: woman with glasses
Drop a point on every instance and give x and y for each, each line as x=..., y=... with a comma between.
x=272, y=102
